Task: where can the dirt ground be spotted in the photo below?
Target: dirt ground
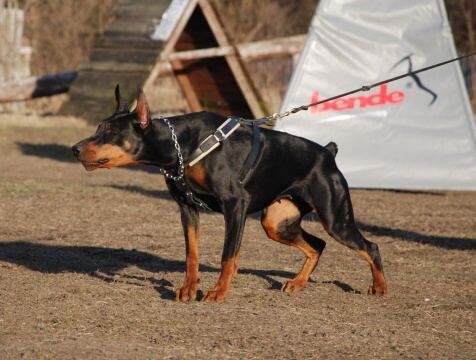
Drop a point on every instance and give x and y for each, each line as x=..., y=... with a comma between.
x=89, y=262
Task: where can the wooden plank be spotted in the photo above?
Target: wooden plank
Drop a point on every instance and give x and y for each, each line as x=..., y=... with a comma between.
x=114, y=66
x=199, y=54
x=266, y=49
x=125, y=55
x=123, y=41
x=258, y=50
x=155, y=8
x=126, y=27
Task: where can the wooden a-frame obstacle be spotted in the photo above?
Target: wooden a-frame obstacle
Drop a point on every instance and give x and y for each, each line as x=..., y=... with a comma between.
x=189, y=41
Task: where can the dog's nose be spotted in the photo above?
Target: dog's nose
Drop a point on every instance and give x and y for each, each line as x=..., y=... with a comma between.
x=76, y=150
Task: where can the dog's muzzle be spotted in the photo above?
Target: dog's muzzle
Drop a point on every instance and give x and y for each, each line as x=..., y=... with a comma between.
x=88, y=165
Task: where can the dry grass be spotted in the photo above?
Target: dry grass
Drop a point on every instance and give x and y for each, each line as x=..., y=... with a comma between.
x=61, y=31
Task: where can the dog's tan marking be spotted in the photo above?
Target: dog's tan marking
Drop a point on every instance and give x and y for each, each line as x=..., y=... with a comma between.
x=379, y=286
x=115, y=155
x=219, y=292
x=190, y=285
x=282, y=220
x=281, y=210
x=198, y=174
x=89, y=152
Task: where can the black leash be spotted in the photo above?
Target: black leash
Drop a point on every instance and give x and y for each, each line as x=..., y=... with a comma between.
x=271, y=120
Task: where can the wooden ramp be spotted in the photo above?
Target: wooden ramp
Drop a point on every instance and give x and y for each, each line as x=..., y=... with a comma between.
x=127, y=55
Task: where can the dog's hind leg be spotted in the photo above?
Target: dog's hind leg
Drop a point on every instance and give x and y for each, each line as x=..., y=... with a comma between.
x=282, y=223
x=334, y=209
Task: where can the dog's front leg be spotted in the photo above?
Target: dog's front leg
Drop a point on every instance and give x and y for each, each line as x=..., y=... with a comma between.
x=235, y=217
x=191, y=229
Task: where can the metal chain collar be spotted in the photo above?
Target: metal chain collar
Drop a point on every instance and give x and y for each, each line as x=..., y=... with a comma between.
x=180, y=169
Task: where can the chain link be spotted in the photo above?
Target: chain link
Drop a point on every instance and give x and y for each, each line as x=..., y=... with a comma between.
x=180, y=170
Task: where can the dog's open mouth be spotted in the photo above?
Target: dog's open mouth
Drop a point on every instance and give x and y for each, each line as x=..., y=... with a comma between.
x=93, y=165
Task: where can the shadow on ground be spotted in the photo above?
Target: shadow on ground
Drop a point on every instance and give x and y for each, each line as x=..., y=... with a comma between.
x=50, y=151
x=445, y=242
x=105, y=264
x=158, y=194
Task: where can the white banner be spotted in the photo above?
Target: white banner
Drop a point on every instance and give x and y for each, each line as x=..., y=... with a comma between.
x=414, y=133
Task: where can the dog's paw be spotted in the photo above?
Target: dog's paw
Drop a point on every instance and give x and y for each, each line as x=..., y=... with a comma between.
x=292, y=286
x=185, y=294
x=215, y=295
x=188, y=291
x=379, y=291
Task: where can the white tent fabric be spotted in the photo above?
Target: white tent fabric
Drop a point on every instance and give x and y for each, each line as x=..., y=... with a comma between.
x=414, y=133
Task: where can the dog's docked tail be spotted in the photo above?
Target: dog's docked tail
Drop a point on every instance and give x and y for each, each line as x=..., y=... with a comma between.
x=332, y=147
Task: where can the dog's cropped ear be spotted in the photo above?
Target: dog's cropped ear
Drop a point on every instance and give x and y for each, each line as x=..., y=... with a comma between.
x=142, y=109
x=121, y=105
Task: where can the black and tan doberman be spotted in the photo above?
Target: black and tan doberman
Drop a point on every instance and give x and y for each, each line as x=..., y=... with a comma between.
x=289, y=177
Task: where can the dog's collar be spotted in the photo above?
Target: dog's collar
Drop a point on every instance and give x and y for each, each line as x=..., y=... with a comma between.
x=205, y=147
x=181, y=168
